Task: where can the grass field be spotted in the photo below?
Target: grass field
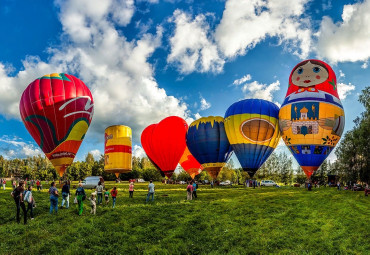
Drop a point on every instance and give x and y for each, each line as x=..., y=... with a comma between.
x=233, y=220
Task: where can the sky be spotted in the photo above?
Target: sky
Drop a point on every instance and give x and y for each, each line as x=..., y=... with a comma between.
x=146, y=60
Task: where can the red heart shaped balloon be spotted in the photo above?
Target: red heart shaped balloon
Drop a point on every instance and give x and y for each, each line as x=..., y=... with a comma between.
x=164, y=143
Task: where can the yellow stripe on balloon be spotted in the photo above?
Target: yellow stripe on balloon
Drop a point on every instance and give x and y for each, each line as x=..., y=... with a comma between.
x=209, y=119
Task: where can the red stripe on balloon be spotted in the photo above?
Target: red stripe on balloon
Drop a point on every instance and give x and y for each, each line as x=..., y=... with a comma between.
x=118, y=148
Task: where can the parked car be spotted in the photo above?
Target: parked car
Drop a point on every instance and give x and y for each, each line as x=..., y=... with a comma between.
x=357, y=187
x=268, y=183
x=182, y=182
x=92, y=181
x=227, y=182
x=140, y=180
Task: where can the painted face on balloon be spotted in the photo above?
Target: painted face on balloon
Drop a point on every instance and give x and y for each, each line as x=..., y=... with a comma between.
x=309, y=74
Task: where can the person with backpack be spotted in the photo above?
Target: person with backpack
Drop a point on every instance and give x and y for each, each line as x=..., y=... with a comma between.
x=30, y=201
x=81, y=196
x=99, y=191
x=189, y=191
x=17, y=194
x=53, y=191
x=65, y=194
x=195, y=187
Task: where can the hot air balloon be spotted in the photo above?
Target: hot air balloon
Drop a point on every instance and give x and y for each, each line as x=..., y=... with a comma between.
x=118, y=149
x=190, y=164
x=207, y=141
x=57, y=110
x=252, y=128
x=311, y=117
x=164, y=143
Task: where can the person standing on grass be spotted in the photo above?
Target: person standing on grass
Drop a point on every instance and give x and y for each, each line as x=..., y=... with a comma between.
x=53, y=191
x=14, y=183
x=338, y=185
x=114, y=193
x=66, y=194
x=189, y=190
x=99, y=191
x=81, y=196
x=151, y=190
x=131, y=190
x=4, y=184
x=195, y=186
x=106, y=195
x=17, y=194
x=38, y=185
x=30, y=201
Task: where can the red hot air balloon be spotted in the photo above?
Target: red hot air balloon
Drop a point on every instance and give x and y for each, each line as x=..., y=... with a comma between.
x=57, y=110
x=190, y=164
x=165, y=144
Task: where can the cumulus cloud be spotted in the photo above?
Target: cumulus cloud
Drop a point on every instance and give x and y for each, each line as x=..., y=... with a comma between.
x=242, y=80
x=96, y=154
x=349, y=39
x=245, y=23
x=345, y=89
x=115, y=69
x=138, y=151
x=364, y=65
x=204, y=105
x=192, y=46
x=15, y=147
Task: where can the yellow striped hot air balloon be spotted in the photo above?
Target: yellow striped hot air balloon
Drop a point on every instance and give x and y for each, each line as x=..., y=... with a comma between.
x=118, y=149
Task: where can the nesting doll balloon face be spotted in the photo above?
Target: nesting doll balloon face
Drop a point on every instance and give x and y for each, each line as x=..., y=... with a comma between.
x=311, y=117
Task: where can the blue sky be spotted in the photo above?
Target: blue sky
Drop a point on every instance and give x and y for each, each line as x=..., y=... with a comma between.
x=145, y=60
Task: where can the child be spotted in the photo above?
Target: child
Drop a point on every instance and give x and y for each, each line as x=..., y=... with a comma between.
x=30, y=201
x=131, y=190
x=106, y=195
x=114, y=192
x=93, y=203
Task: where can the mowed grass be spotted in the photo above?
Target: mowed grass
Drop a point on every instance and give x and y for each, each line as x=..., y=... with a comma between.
x=233, y=220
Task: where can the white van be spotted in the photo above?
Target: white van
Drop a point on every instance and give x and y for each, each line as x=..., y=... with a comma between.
x=268, y=183
x=92, y=181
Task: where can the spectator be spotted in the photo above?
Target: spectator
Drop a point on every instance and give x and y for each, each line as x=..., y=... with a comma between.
x=66, y=194
x=17, y=194
x=131, y=190
x=99, y=191
x=151, y=190
x=30, y=201
x=189, y=191
x=4, y=184
x=195, y=187
x=106, y=195
x=53, y=191
x=114, y=193
x=367, y=189
x=38, y=185
x=338, y=185
x=81, y=196
x=14, y=184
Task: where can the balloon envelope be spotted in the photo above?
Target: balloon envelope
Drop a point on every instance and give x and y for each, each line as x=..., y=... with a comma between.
x=252, y=128
x=118, y=149
x=311, y=117
x=165, y=143
x=207, y=141
x=57, y=110
x=190, y=164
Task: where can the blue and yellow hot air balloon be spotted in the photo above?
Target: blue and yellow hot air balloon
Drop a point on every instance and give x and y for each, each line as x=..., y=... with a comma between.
x=252, y=127
x=207, y=141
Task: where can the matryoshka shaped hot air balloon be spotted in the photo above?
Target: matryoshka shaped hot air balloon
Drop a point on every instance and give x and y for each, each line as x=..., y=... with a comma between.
x=164, y=143
x=118, y=149
x=252, y=128
x=57, y=110
x=207, y=141
x=311, y=118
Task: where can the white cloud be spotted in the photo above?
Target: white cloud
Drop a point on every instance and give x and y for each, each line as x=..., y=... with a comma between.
x=348, y=40
x=138, y=151
x=197, y=116
x=364, y=65
x=192, y=47
x=262, y=91
x=345, y=89
x=116, y=70
x=14, y=147
x=96, y=154
x=246, y=23
x=341, y=74
x=204, y=105
x=242, y=80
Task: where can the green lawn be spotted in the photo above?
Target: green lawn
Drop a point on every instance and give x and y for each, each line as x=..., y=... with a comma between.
x=233, y=220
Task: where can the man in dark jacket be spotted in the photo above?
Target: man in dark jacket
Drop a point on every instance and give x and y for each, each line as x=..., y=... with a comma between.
x=65, y=194
x=17, y=194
